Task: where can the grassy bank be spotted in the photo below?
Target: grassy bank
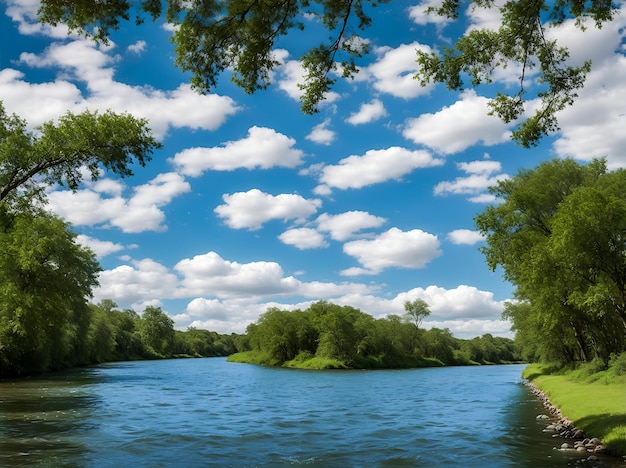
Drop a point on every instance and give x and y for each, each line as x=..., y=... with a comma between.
x=591, y=396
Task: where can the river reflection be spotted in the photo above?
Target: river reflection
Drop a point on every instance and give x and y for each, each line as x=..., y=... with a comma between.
x=40, y=417
x=207, y=412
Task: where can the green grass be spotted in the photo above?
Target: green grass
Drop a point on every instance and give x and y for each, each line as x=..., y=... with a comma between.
x=594, y=400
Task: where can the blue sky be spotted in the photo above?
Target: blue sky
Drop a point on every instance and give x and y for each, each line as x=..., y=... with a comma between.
x=252, y=204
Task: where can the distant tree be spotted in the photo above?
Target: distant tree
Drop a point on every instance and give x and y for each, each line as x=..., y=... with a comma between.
x=416, y=311
x=239, y=35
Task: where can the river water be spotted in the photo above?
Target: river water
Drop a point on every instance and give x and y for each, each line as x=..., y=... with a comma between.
x=208, y=412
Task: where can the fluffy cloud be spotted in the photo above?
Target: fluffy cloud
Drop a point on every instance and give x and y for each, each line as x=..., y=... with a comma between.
x=374, y=167
x=99, y=247
x=141, y=212
x=252, y=209
x=82, y=61
x=321, y=134
x=303, y=238
x=393, y=248
x=465, y=237
x=138, y=283
x=420, y=16
x=345, y=225
x=263, y=148
x=480, y=175
x=394, y=69
x=457, y=127
x=368, y=112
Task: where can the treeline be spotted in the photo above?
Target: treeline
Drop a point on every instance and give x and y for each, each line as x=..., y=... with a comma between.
x=559, y=234
x=103, y=333
x=328, y=335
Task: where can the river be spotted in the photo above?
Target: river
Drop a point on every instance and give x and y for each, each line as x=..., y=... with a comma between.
x=208, y=412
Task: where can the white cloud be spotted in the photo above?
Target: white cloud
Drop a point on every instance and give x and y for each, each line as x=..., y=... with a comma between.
x=419, y=15
x=137, y=48
x=394, y=70
x=141, y=212
x=100, y=248
x=321, y=134
x=263, y=148
x=368, y=112
x=375, y=166
x=82, y=61
x=457, y=127
x=138, y=283
x=303, y=238
x=291, y=74
x=346, y=225
x=253, y=208
x=462, y=303
x=480, y=177
x=465, y=237
x=393, y=249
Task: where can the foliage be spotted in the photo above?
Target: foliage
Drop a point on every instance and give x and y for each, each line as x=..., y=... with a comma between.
x=239, y=35
x=327, y=335
x=44, y=279
x=59, y=150
x=559, y=237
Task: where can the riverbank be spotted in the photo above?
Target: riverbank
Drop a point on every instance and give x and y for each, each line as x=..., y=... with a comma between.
x=589, y=406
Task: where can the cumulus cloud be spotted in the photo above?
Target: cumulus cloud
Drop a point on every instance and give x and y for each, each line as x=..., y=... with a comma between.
x=393, y=71
x=321, y=134
x=303, y=238
x=346, y=225
x=83, y=62
x=422, y=17
x=374, y=167
x=480, y=175
x=100, y=248
x=291, y=74
x=368, y=112
x=263, y=148
x=593, y=126
x=138, y=283
x=137, y=48
x=457, y=127
x=93, y=206
x=393, y=249
x=465, y=237
x=252, y=209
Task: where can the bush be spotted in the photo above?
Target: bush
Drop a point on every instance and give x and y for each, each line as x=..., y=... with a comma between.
x=617, y=364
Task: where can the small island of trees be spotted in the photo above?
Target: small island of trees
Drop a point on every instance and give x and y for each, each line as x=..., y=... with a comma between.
x=328, y=335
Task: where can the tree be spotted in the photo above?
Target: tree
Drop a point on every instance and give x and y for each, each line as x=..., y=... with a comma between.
x=416, y=311
x=60, y=149
x=558, y=236
x=45, y=280
x=239, y=35
x=157, y=330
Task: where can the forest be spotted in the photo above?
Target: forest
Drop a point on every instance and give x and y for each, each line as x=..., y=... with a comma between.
x=328, y=335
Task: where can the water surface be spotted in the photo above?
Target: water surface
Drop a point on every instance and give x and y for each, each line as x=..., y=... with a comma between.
x=207, y=412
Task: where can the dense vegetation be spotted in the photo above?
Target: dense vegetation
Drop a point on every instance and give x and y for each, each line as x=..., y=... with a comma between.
x=327, y=335
x=103, y=333
x=560, y=237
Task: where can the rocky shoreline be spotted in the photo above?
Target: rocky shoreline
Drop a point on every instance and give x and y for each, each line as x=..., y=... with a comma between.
x=565, y=428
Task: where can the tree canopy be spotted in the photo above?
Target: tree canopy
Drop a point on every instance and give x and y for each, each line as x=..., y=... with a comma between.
x=559, y=236
x=46, y=276
x=239, y=35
